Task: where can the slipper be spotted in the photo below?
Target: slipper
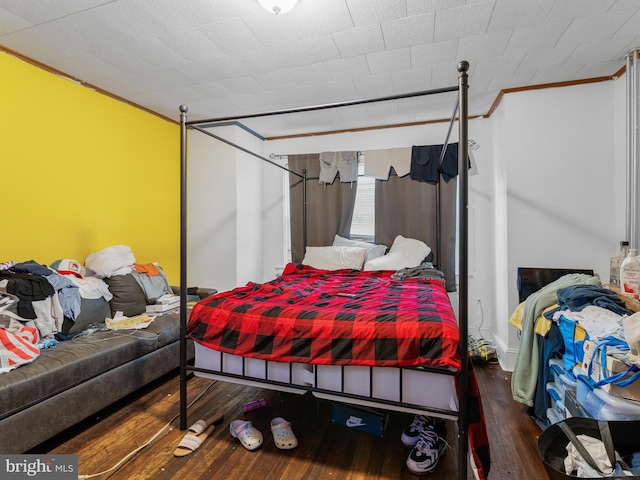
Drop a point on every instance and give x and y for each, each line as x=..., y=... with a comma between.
x=283, y=436
x=191, y=442
x=201, y=425
x=249, y=436
x=198, y=427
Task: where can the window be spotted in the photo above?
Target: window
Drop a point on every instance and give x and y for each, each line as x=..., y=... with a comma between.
x=363, y=223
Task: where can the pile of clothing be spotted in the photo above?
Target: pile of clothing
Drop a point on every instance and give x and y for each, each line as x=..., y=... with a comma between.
x=36, y=299
x=576, y=298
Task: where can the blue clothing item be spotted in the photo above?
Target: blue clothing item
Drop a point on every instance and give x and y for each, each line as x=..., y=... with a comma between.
x=31, y=266
x=633, y=462
x=68, y=295
x=153, y=287
x=577, y=297
x=425, y=162
x=46, y=343
x=549, y=347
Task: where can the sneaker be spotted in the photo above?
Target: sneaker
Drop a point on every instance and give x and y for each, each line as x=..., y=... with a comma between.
x=410, y=434
x=425, y=455
x=482, y=351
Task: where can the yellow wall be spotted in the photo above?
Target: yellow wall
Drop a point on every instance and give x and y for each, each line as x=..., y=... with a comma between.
x=80, y=171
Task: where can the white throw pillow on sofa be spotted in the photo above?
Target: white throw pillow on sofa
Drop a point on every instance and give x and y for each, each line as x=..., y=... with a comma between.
x=404, y=253
x=373, y=250
x=334, y=258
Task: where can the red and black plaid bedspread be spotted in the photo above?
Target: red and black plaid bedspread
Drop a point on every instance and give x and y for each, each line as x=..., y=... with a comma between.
x=344, y=317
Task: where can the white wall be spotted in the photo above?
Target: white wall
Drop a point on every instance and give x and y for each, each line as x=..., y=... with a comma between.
x=481, y=242
x=249, y=214
x=559, y=170
x=273, y=226
x=225, y=217
x=568, y=148
x=502, y=289
x=211, y=214
x=549, y=193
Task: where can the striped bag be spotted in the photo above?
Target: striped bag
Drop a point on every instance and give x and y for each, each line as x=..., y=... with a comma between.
x=17, y=341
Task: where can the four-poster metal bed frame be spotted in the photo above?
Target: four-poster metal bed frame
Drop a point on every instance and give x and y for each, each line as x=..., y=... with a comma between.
x=461, y=104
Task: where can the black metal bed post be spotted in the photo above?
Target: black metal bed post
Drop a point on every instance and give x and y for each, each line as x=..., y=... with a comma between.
x=463, y=200
x=304, y=211
x=183, y=267
x=438, y=223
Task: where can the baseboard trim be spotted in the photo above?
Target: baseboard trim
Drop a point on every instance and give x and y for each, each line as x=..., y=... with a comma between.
x=506, y=356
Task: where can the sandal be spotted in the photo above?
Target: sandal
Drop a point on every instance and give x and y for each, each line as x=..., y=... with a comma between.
x=190, y=442
x=249, y=436
x=283, y=436
x=198, y=427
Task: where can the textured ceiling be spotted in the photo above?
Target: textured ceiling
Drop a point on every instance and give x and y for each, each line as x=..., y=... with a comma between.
x=228, y=57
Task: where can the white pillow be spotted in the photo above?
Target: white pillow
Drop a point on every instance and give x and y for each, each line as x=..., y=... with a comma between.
x=110, y=261
x=334, y=258
x=404, y=253
x=414, y=250
x=373, y=250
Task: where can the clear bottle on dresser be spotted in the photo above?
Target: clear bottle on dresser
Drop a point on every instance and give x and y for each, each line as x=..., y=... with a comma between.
x=616, y=263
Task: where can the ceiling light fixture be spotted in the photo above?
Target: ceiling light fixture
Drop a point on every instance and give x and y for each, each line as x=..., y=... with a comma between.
x=278, y=6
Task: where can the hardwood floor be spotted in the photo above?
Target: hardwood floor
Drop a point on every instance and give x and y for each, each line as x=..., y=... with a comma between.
x=326, y=450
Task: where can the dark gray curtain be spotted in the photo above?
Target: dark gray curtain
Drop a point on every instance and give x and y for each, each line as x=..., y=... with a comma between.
x=329, y=207
x=408, y=207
